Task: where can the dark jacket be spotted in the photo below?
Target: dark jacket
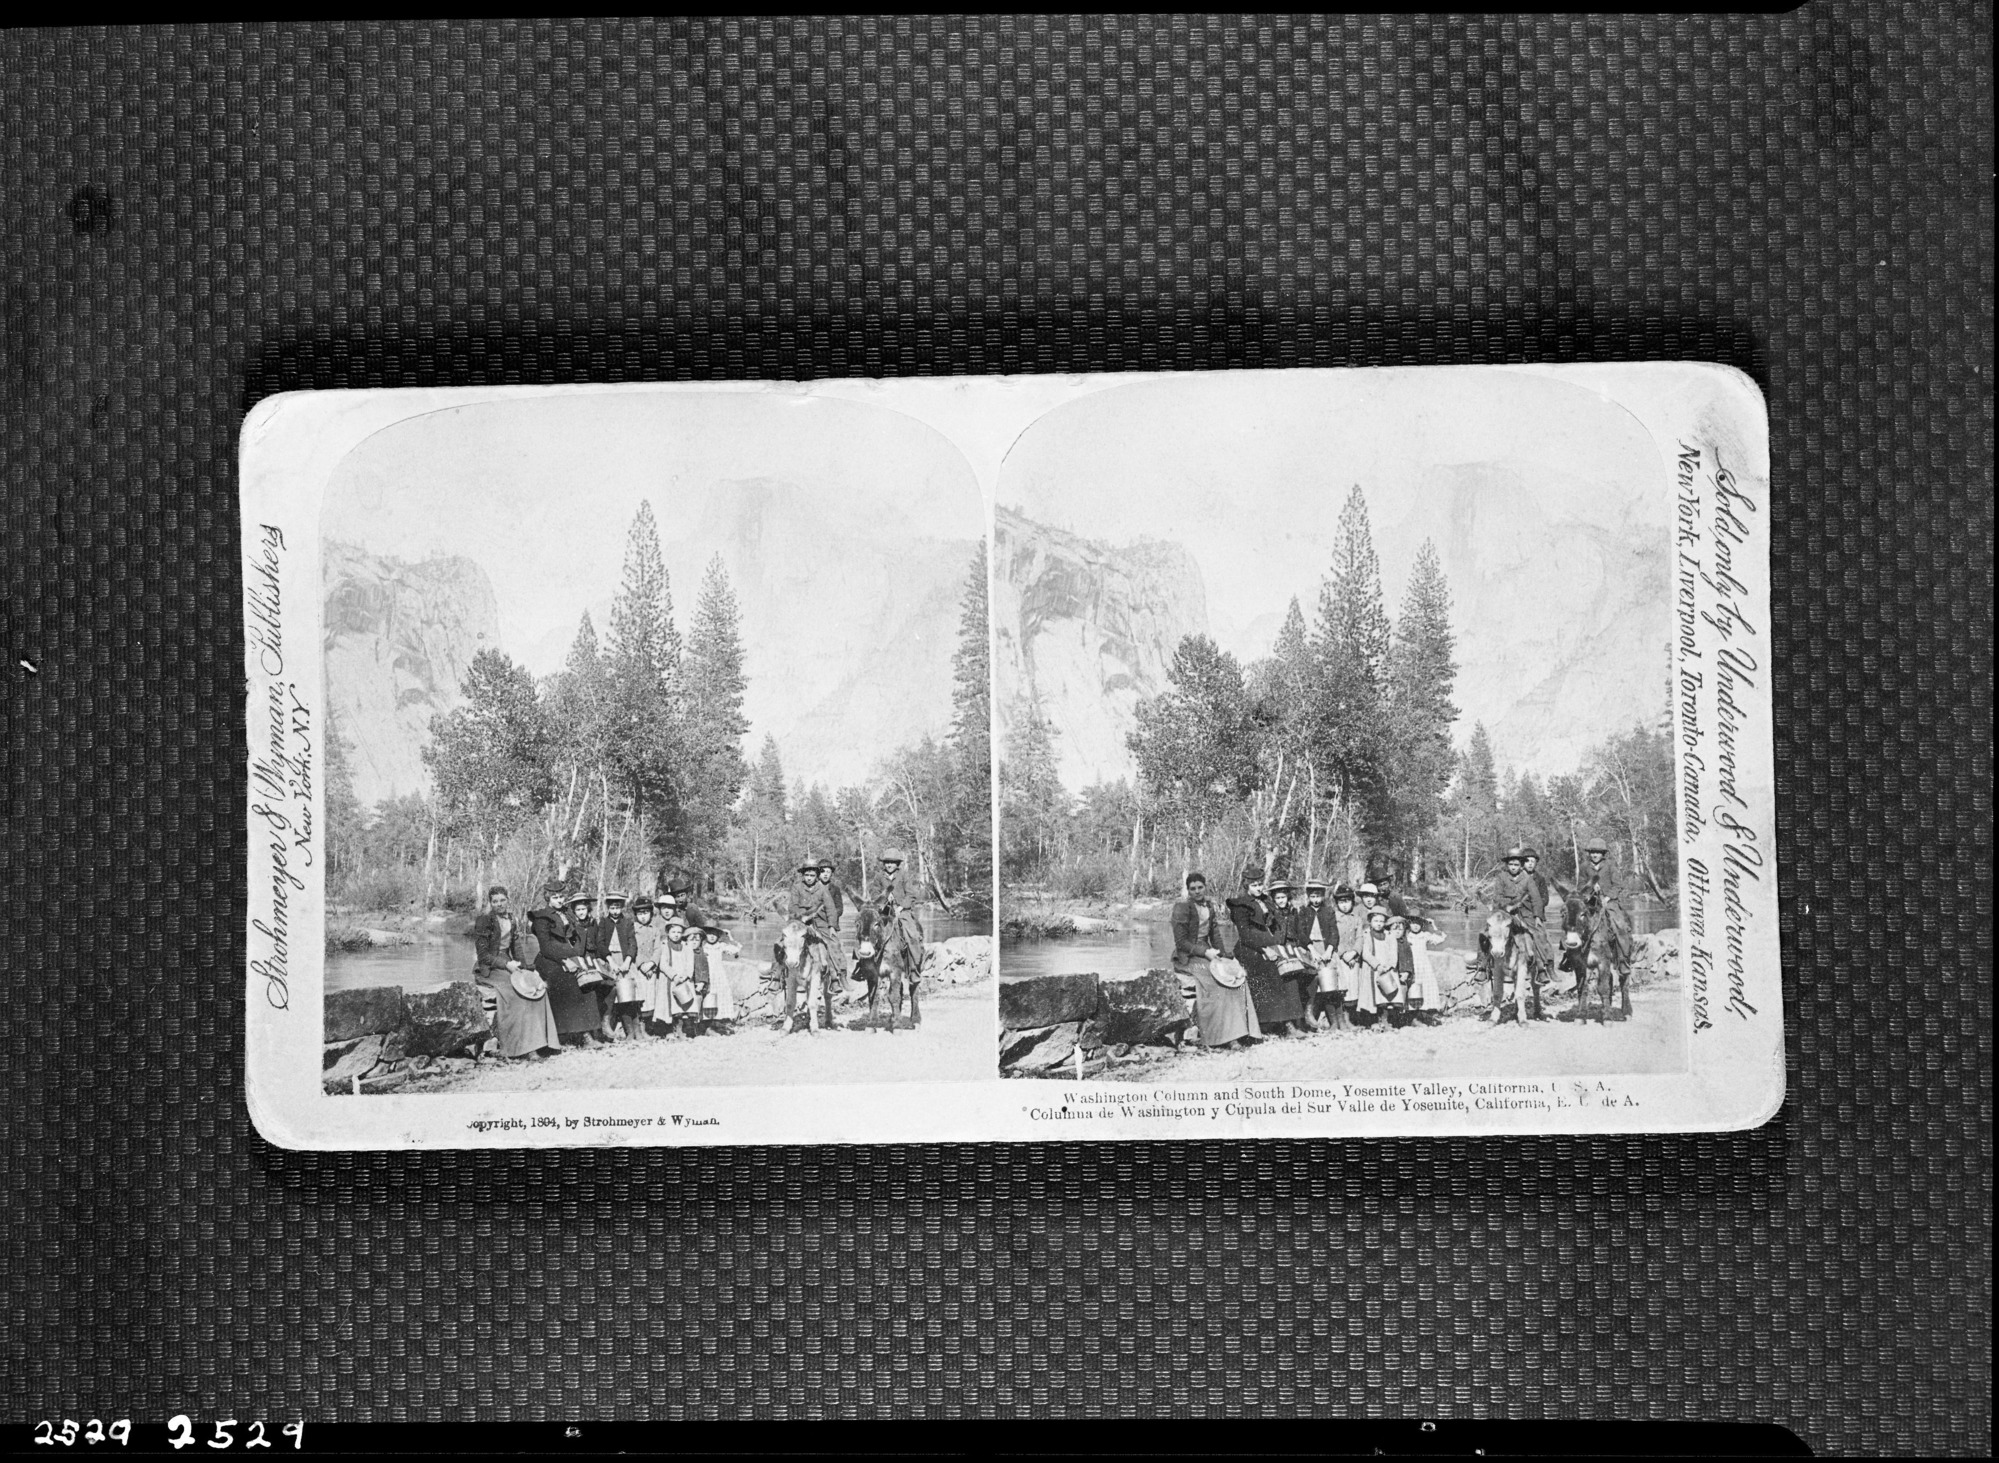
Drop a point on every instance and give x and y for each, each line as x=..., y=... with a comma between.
x=626, y=942
x=1309, y=924
x=901, y=890
x=1255, y=929
x=491, y=953
x=837, y=895
x=1514, y=893
x=812, y=905
x=558, y=937
x=1195, y=932
x=1593, y=886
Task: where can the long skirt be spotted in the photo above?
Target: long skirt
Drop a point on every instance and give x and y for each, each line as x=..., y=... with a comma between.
x=1278, y=998
x=1223, y=1015
x=575, y=1009
x=520, y=1027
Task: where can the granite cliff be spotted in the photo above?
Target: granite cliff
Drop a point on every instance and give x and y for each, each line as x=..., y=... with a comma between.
x=1087, y=630
x=398, y=638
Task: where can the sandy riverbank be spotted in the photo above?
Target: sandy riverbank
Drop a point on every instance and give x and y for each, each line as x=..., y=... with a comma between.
x=1653, y=1040
x=954, y=1044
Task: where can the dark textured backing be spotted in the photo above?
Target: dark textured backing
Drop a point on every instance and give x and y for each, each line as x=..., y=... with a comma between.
x=195, y=219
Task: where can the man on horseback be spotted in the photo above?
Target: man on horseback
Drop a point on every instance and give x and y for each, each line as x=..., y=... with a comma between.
x=899, y=932
x=810, y=905
x=1514, y=893
x=1599, y=901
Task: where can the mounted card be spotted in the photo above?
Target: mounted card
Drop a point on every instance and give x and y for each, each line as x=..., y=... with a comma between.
x=831, y=763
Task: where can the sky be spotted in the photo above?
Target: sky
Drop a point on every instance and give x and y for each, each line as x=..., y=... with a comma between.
x=1548, y=502
x=540, y=493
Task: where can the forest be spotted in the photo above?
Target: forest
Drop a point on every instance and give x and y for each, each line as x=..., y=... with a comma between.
x=1337, y=755
x=630, y=765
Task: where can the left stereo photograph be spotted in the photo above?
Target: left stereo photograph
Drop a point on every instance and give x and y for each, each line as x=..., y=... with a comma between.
x=619, y=766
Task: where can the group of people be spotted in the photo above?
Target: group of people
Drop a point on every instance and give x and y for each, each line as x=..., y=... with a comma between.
x=1346, y=957
x=1521, y=892
x=1360, y=961
x=570, y=976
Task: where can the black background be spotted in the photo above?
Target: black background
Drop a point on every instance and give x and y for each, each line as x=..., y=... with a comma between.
x=197, y=218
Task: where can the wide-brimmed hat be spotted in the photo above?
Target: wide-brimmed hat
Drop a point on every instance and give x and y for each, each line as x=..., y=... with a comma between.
x=1513, y=855
x=1530, y=851
x=581, y=896
x=1345, y=891
x=1596, y=845
x=527, y=983
x=644, y=901
x=1282, y=886
x=810, y=866
x=826, y=864
x=893, y=856
x=1311, y=884
x=617, y=896
x=1371, y=888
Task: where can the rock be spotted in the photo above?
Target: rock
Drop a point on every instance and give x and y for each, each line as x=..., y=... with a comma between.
x=387, y=938
x=963, y=960
x=1032, y=1001
x=441, y=1020
x=355, y=1060
x=364, y=1011
x=1142, y=1008
x=384, y=1081
x=335, y=1050
x=1058, y=1046
x=1050, y=1047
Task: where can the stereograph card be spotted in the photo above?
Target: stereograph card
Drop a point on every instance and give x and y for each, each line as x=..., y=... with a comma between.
x=1252, y=754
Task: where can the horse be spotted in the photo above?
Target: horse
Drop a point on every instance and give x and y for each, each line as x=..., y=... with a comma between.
x=800, y=951
x=1509, y=955
x=1603, y=950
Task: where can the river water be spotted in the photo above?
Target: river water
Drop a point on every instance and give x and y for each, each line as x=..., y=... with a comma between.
x=449, y=957
x=1150, y=947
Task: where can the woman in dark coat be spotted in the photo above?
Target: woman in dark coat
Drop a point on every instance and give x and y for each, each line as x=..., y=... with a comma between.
x=1278, y=1007
x=522, y=1027
x=563, y=953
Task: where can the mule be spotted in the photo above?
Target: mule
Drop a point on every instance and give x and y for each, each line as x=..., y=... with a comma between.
x=1603, y=952
x=901, y=958
x=1509, y=955
x=802, y=961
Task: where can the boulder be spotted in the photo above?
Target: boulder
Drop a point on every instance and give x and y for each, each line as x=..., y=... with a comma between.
x=367, y=1010
x=384, y=1081
x=439, y=1021
x=1142, y=1008
x=355, y=1060
x=1051, y=1047
x=963, y=960
x=1030, y=1002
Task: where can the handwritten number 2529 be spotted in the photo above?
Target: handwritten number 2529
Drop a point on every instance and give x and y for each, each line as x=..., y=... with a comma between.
x=180, y=1434
x=120, y=1432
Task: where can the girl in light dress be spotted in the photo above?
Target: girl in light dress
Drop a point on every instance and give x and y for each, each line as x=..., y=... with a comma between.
x=1422, y=992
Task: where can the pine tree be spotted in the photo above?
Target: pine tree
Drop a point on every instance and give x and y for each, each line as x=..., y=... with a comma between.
x=644, y=703
x=764, y=810
x=1422, y=674
x=1350, y=646
x=716, y=685
x=345, y=820
x=971, y=734
x=1033, y=802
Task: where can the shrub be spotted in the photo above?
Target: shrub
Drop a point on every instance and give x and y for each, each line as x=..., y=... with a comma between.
x=393, y=887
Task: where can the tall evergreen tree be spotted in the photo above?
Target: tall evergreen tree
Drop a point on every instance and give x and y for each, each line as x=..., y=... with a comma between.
x=764, y=815
x=644, y=692
x=716, y=685
x=1033, y=803
x=1422, y=675
x=971, y=732
x=1350, y=648
x=345, y=820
